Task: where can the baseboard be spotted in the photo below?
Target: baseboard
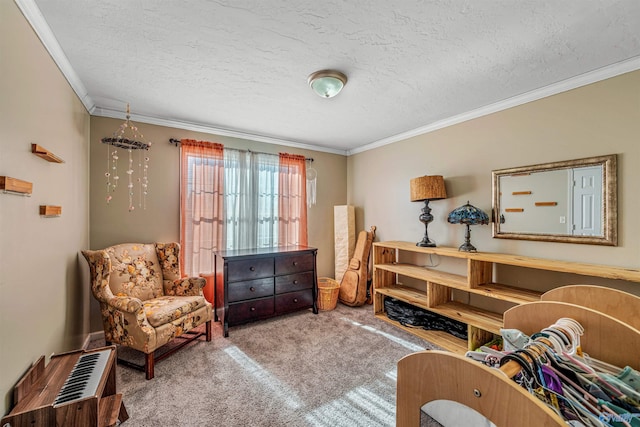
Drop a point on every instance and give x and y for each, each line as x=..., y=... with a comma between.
x=92, y=337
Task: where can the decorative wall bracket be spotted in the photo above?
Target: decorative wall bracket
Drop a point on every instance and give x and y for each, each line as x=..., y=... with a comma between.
x=50, y=211
x=45, y=154
x=15, y=186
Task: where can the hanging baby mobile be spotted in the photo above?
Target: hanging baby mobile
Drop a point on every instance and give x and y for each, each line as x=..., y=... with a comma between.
x=128, y=138
x=312, y=177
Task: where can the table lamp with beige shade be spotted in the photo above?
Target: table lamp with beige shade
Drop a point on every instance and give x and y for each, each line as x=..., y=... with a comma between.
x=427, y=188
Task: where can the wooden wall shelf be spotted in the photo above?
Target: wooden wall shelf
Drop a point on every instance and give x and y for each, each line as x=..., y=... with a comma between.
x=45, y=154
x=48, y=210
x=15, y=186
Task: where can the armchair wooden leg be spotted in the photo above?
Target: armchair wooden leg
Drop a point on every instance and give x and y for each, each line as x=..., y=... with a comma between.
x=149, y=365
x=208, y=329
x=150, y=359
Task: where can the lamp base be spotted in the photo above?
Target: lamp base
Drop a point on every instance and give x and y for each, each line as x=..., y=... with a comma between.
x=426, y=243
x=467, y=246
x=426, y=218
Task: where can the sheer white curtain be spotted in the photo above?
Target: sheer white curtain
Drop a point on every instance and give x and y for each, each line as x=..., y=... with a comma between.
x=292, y=200
x=201, y=205
x=267, y=203
x=251, y=199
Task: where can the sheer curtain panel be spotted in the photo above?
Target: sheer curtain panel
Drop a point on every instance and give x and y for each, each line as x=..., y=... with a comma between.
x=292, y=200
x=201, y=204
x=251, y=208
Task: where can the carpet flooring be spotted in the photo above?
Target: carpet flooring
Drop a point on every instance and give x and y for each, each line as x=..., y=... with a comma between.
x=337, y=368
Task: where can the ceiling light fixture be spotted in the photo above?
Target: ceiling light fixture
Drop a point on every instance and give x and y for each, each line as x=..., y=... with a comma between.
x=327, y=83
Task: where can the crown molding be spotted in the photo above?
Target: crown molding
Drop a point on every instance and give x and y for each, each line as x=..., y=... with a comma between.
x=33, y=15
x=117, y=114
x=35, y=18
x=600, y=74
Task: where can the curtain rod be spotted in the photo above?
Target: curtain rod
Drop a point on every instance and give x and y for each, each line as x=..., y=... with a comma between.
x=176, y=142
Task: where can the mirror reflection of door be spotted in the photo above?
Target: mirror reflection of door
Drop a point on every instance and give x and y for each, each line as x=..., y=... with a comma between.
x=587, y=201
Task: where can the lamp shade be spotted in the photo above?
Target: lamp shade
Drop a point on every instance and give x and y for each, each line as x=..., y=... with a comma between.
x=469, y=215
x=428, y=187
x=327, y=83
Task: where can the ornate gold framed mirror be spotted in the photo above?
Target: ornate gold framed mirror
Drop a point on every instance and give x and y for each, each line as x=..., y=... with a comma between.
x=572, y=201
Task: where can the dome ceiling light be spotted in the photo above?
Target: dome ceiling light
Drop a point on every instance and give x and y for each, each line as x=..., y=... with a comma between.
x=327, y=83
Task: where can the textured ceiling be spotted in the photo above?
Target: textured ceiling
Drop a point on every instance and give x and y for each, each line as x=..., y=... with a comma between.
x=241, y=66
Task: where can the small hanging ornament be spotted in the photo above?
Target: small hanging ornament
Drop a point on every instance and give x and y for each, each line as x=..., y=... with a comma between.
x=312, y=176
x=129, y=138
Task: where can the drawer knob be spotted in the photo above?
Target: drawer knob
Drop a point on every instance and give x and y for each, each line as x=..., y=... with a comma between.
x=295, y=282
x=295, y=263
x=252, y=309
x=252, y=268
x=252, y=289
x=295, y=300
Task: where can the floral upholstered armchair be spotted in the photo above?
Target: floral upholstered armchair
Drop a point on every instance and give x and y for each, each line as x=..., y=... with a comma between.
x=144, y=300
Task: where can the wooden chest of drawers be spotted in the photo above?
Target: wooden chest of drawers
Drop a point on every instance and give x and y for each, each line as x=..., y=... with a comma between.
x=254, y=284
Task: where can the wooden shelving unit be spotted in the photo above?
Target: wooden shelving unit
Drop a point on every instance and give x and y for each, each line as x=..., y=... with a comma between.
x=443, y=339
x=437, y=295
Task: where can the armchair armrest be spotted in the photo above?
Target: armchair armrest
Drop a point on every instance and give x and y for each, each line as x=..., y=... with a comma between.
x=187, y=286
x=125, y=322
x=100, y=266
x=126, y=304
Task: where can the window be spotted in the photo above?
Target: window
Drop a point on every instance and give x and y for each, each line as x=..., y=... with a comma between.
x=251, y=199
x=233, y=199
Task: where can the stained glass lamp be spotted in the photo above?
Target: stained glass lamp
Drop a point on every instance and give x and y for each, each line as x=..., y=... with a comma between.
x=468, y=215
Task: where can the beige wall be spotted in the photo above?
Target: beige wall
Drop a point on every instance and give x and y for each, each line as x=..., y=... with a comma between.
x=602, y=118
x=43, y=305
x=113, y=223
